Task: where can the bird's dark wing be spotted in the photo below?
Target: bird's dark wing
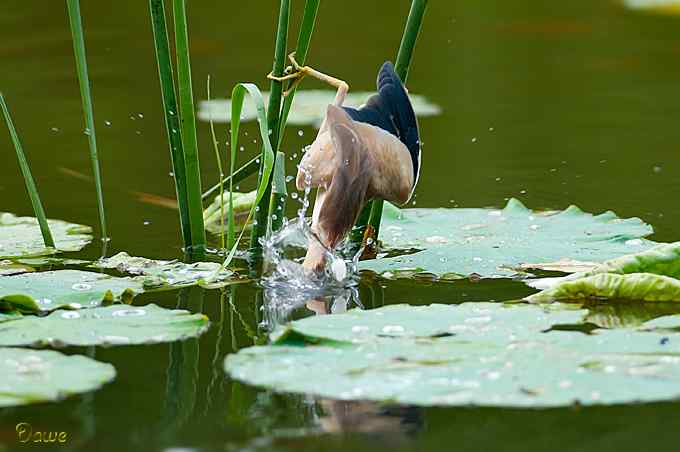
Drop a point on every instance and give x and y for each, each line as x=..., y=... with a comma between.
x=391, y=110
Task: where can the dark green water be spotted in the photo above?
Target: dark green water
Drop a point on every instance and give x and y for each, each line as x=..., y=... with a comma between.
x=583, y=99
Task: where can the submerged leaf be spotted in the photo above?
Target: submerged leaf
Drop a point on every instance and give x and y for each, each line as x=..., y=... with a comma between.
x=309, y=107
x=111, y=325
x=74, y=289
x=496, y=243
x=501, y=356
x=242, y=203
x=158, y=274
x=32, y=376
x=21, y=236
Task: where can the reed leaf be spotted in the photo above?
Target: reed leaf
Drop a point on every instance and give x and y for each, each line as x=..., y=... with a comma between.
x=86, y=97
x=188, y=127
x=172, y=123
x=273, y=116
x=267, y=164
x=28, y=178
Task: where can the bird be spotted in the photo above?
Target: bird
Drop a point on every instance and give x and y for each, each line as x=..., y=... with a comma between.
x=359, y=154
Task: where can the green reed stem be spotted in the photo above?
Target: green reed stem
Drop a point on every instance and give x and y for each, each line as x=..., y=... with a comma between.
x=86, y=97
x=219, y=168
x=188, y=127
x=304, y=39
x=273, y=115
x=237, y=176
x=28, y=178
x=408, y=43
x=277, y=205
x=172, y=123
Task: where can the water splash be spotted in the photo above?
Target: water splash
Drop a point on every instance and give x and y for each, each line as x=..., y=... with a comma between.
x=289, y=286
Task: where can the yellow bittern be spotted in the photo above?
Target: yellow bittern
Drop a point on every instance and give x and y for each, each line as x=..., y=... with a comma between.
x=359, y=154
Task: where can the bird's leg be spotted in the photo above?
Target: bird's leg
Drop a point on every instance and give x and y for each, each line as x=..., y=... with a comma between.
x=340, y=85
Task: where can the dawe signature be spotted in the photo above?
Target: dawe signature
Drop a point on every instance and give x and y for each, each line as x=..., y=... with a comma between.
x=26, y=434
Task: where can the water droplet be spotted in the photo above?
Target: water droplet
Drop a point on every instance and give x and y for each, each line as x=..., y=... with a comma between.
x=140, y=115
x=171, y=174
x=172, y=113
x=300, y=133
x=86, y=131
x=129, y=312
x=289, y=178
x=359, y=329
x=54, y=129
x=294, y=195
x=524, y=192
x=147, y=222
x=241, y=148
x=393, y=329
x=70, y=315
x=81, y=287
x=107, y=123
x=474, y=140
x=657, y=169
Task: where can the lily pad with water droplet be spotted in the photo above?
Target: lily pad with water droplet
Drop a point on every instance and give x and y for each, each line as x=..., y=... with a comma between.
x=8, y=268
x=32, y=376
x=159, y=274
x=456, y=243
x=309, y=107
x=110, y=325
x=21, y=237
x=47, y=291
x=510, y=359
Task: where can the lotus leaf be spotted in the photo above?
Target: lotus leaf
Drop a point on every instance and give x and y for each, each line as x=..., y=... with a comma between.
x=21, y=237
x=308, y=108
x=110, y=325
x=74, y=289
x=493, y=355
x=158, y=274
x=32, y=376
x=456, y=243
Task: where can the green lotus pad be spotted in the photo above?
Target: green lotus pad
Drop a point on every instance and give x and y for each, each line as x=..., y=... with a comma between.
x=74, y=289
x=308, y=109
x=650, y=275
x=485, y=354
x=158, y=274
x=32, y=376
x=489, y=243
x=110, y=325
x=21, y=237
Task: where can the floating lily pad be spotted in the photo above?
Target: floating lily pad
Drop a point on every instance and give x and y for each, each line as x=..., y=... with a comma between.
x=308, y=109
x=74, y=289
x=32, y=376
x=610, y=286
x=482, y=354
x=21, y=237
x=496, y=243
x=110, y=325
x=650, y=275
x=158, y=274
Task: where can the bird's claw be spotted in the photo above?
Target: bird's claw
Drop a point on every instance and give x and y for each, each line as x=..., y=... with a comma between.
x=294, y=72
